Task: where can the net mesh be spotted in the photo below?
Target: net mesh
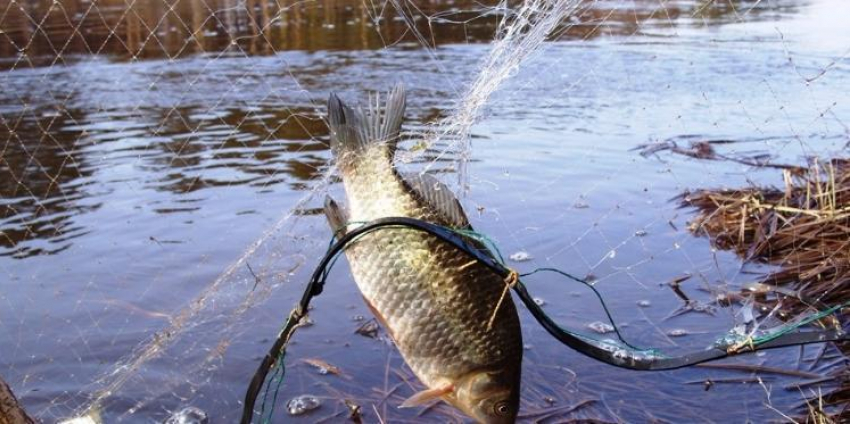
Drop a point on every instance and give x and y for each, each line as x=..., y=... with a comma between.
x=163, y=165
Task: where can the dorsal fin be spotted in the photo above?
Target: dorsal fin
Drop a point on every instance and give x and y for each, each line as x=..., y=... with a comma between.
x=438, y=197
x=442, y=201
x=353, y=129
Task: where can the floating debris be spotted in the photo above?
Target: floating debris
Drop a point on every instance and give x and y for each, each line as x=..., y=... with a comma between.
x=675, y=284
x=678, y=333
x=757, y=288
x=644, y=303
x=355, y=413
x=368, y=329
x=640, y=233
x=600, y=327
x=726, y=299
x=521, y=256
x=302, y=404
x=692, y=306
x=539, y=301
x=358, y=318
x=323, y=367
x=704, y=149
x=188, y=415
x=581, y=205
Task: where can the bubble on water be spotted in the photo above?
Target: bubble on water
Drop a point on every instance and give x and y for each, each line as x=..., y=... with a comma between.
x=600, y=327
x=302, y=404
x=521, y=256
x=677, y=333
x=188, y=415
x=644, y=303
x=358, y=318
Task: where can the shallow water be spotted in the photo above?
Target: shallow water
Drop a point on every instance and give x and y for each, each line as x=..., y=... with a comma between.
x=135, y=168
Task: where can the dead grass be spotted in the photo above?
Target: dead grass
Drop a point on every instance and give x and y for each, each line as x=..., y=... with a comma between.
x=802, y=228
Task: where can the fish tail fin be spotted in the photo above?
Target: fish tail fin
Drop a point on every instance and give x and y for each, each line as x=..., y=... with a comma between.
x=354, y=129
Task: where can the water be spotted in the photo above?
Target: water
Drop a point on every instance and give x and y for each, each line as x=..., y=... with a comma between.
x=132, y=178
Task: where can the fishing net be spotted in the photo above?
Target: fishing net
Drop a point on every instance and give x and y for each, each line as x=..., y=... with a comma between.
x=163, y=164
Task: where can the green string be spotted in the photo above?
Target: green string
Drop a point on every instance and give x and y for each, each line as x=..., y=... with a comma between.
x=601, y=301
x=279, y=373
x=487, y=241
x=280, y=368
x=482, y=238
x=787, y=328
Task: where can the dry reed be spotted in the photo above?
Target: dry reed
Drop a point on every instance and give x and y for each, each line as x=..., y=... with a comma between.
x=801, y=228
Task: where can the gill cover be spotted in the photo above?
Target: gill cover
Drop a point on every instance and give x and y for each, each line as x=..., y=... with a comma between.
x=490, y=397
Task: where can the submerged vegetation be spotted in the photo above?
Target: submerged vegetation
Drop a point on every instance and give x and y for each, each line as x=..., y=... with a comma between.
x=801, y=228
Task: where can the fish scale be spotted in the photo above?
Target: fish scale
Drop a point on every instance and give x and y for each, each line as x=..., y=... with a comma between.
x=436, y=313
x=435, y=304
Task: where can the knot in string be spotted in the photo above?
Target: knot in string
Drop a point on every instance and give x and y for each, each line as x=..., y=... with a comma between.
x=743, y=345
x=510, y=282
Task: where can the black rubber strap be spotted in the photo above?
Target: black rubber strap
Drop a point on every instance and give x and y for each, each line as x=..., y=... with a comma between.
x=617, y=357
x=622, y=359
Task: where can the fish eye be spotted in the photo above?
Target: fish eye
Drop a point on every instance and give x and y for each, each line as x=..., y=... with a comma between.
x=501, y=408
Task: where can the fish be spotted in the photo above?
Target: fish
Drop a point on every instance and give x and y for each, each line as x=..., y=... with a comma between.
x=448, y=315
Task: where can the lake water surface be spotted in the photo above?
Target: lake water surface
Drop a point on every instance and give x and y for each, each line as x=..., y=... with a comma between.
x=156, y=159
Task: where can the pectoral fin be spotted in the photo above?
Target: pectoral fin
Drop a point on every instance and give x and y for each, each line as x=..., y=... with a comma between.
x=337, y=217
x=427, y=396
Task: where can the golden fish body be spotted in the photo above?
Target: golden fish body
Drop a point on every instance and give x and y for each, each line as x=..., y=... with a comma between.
x=434, y=301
